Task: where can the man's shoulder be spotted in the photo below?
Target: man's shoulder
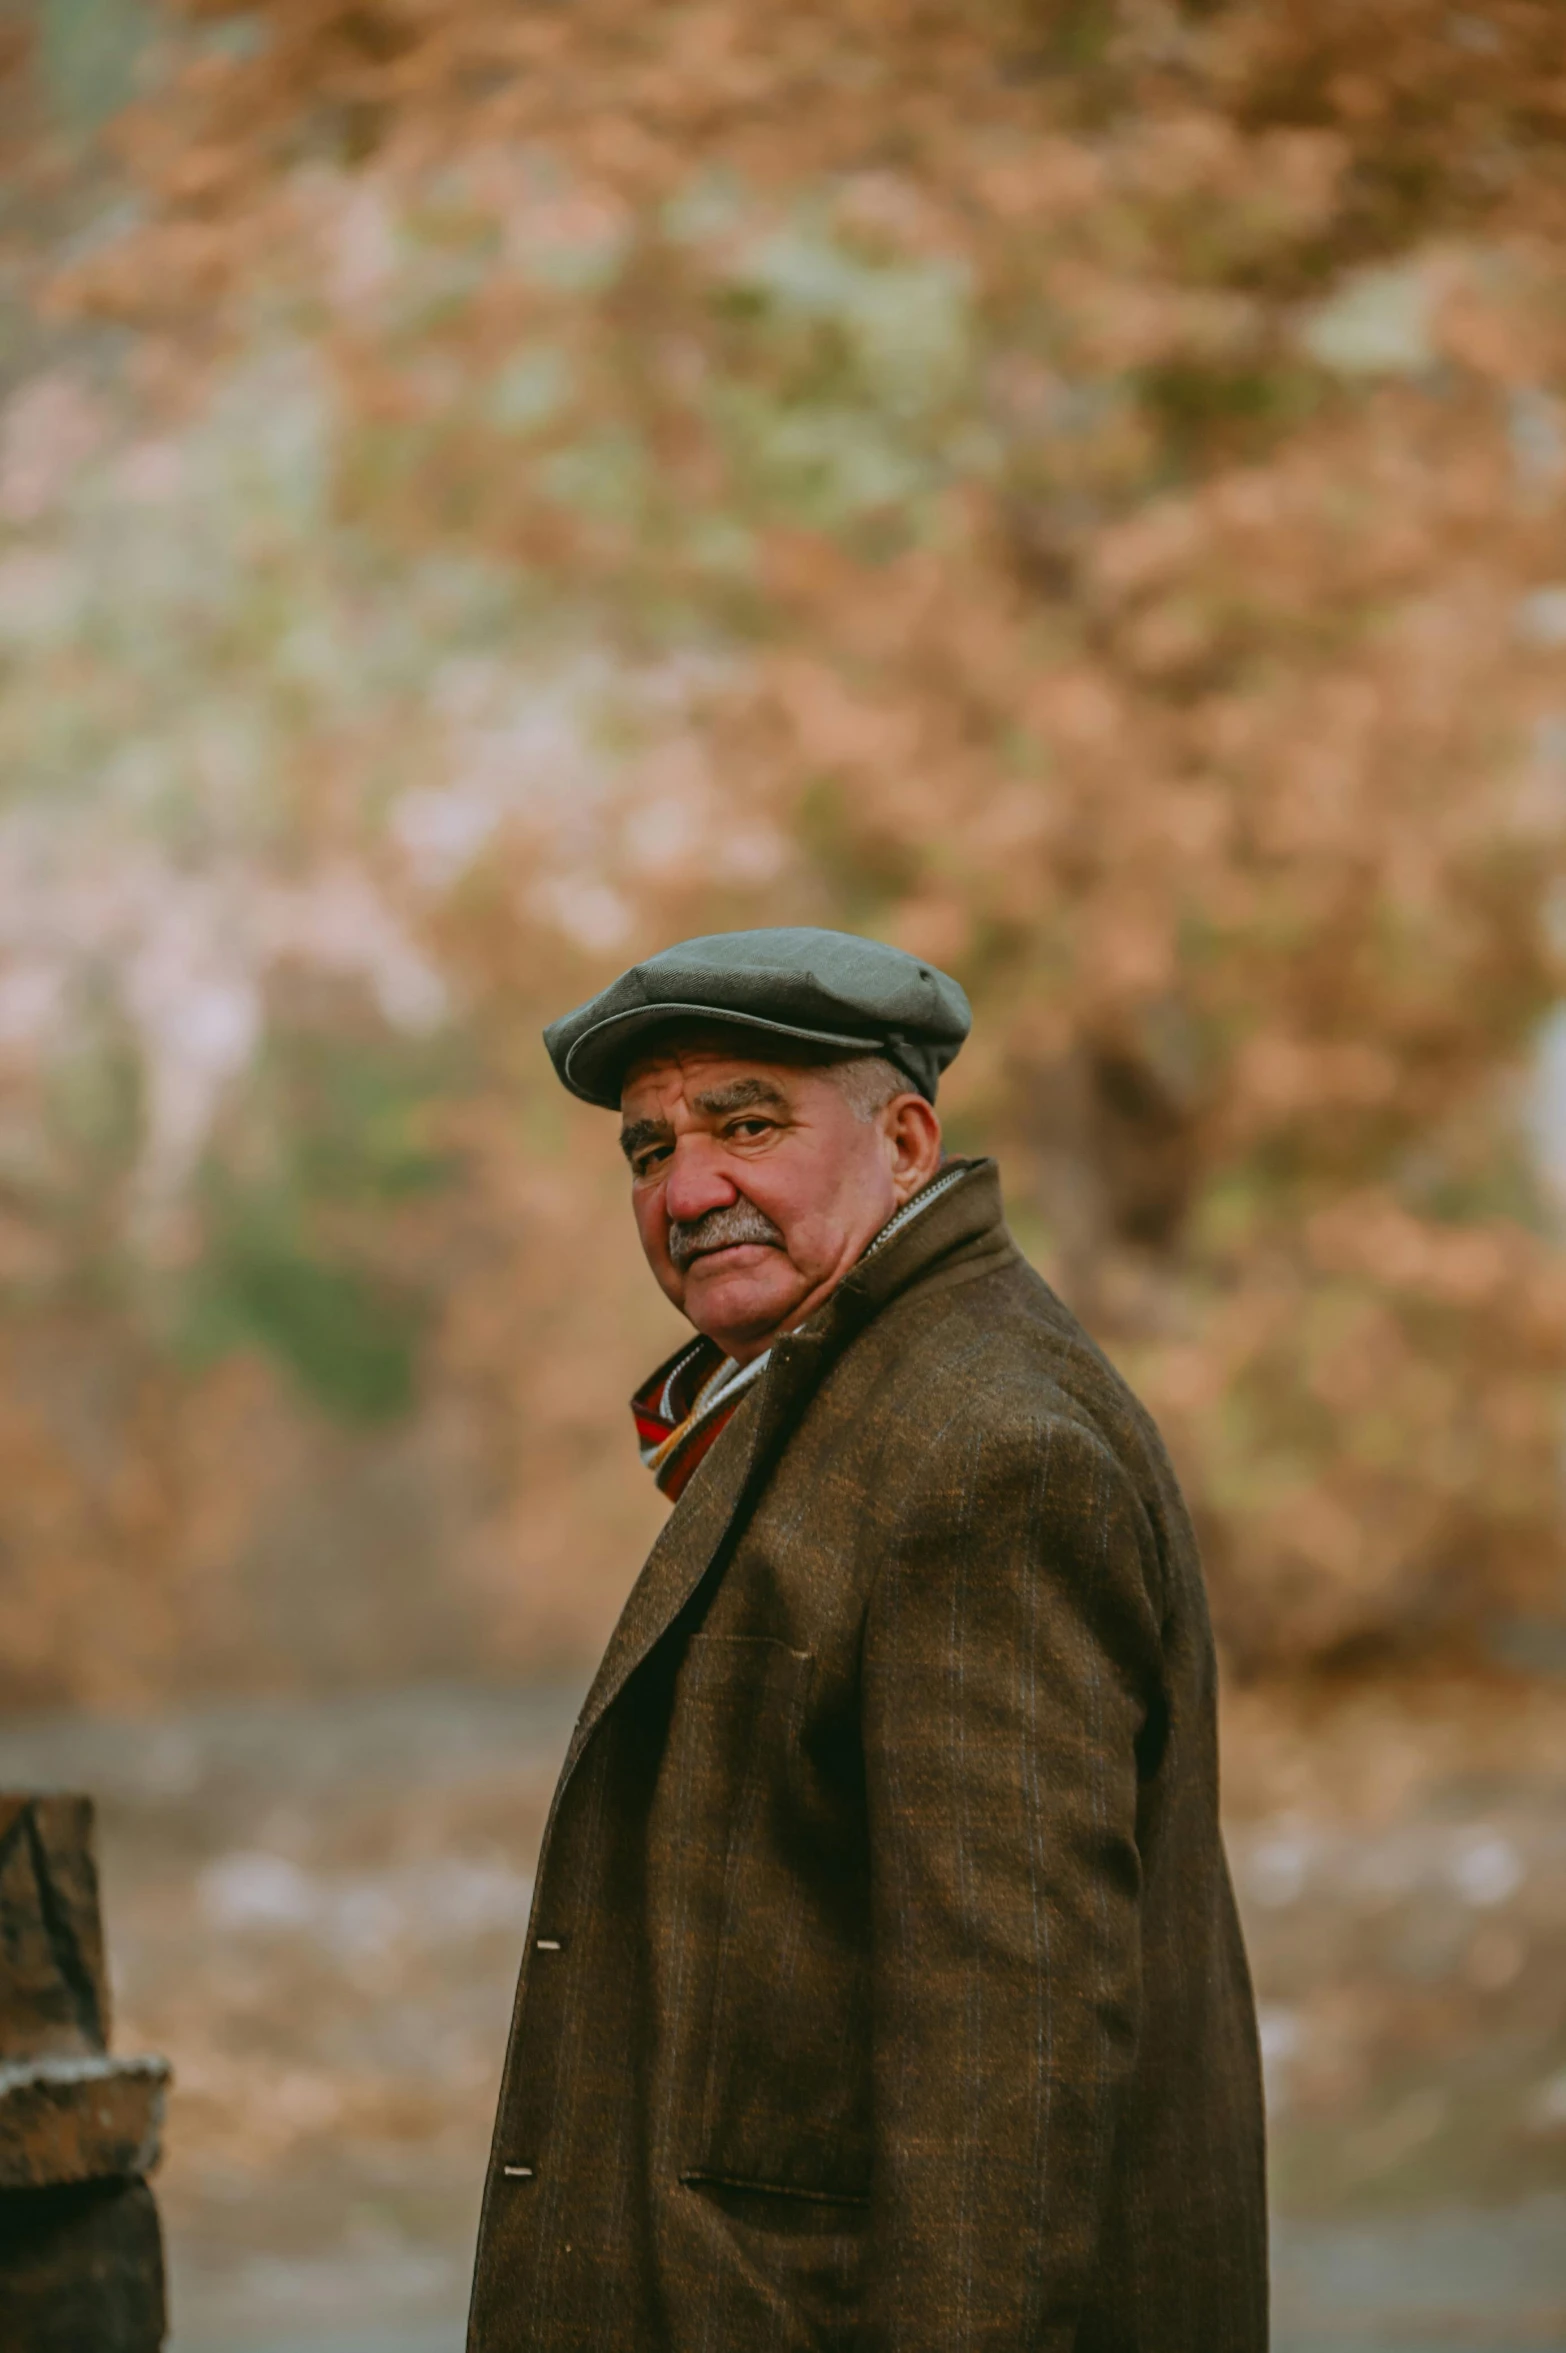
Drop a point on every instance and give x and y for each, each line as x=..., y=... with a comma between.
x=998, y=1330
x=1001, y=1357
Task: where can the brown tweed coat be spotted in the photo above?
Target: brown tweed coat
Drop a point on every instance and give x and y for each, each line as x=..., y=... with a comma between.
x=884, y=1989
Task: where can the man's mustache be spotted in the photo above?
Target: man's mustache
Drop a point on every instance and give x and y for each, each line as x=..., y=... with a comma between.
x=742, y=1221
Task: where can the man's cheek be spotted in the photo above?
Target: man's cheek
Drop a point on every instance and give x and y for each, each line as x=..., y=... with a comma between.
x=652, y=1231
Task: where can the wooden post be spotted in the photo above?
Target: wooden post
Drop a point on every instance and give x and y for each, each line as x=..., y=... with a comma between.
x=81, y=2254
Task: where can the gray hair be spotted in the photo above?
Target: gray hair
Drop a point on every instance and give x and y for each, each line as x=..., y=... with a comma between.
x=868, y=1082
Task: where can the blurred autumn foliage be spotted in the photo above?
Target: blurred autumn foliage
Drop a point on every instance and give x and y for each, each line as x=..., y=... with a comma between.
x=1075, y=488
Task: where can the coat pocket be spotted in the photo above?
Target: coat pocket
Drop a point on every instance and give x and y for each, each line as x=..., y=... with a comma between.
x=784, y=2103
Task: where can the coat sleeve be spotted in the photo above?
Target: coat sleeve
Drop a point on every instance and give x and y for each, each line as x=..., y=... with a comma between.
x=1010, y=1661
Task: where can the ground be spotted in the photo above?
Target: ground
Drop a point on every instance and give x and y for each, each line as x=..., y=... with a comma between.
x=316, y=1908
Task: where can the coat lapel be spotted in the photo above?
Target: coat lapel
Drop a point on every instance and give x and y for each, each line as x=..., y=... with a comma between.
x=699, y=1525
x=695, y=1531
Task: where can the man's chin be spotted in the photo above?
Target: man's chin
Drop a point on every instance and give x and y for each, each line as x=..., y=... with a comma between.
x=739, y=1294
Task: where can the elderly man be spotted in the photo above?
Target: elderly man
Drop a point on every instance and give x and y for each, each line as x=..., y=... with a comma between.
x=884, y=1988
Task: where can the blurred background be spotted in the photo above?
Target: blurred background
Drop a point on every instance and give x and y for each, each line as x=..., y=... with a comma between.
x=1076, y=487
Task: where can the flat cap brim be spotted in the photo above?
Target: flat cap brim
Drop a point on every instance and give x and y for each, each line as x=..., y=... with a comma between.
x=828, y=989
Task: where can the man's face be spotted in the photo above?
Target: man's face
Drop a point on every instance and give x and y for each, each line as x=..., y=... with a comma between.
x=756, y=1186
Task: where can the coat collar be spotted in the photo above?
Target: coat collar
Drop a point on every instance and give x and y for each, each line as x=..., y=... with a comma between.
x=961, y=1206
x=963, y=1219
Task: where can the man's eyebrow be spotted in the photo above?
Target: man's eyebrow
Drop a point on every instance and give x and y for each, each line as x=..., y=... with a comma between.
x=637, y=1134
x=737, y=1094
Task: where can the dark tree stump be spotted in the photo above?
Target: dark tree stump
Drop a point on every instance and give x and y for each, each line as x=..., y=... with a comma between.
x=81, y=2254
x=54, y=1993
x=81, y=2269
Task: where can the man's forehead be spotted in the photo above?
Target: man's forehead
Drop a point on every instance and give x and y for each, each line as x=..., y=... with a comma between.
x=710, y=1078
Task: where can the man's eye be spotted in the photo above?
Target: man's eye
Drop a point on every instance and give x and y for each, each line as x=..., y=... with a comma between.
x=643, y=1163
x=749, y=1127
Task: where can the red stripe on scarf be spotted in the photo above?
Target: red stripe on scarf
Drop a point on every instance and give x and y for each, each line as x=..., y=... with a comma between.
x=666, y=1400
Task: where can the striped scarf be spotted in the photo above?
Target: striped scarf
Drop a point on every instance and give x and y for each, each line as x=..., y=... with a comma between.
x=682, y=1410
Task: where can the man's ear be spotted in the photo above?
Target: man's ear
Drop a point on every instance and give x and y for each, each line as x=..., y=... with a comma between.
x=913, y=1135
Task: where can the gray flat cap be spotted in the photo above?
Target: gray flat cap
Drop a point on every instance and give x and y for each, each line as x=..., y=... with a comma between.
x=828, y=987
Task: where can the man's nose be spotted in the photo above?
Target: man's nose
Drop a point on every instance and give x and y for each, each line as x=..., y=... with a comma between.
x=696, y=1181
